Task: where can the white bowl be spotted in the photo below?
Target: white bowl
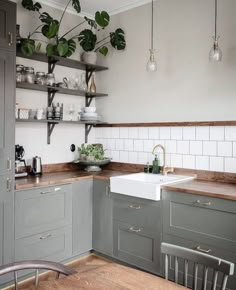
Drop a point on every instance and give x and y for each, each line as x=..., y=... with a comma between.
x=90, y=109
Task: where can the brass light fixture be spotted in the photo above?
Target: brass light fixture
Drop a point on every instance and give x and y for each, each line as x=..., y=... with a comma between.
x=152, y=64
x=215, y=54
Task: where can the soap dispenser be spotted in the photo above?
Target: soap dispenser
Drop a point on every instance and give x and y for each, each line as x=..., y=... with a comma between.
x=156, y=167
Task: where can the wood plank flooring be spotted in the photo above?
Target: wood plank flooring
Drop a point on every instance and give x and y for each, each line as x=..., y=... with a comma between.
x=96, y=273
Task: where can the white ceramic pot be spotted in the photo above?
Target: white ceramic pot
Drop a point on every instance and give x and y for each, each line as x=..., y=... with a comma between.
x=89, y=57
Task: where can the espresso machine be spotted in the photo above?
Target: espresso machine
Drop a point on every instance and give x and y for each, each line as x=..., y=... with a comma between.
x=20, y=165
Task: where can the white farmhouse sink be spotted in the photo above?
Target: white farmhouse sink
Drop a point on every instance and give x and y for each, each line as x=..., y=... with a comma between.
x=144, y=185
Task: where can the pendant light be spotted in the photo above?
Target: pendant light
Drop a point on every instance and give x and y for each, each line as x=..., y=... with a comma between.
x=215, y=54
x=152, y=65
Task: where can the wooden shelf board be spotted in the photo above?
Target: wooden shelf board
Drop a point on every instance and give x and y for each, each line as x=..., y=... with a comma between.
x=58, y=122
x=63, y=62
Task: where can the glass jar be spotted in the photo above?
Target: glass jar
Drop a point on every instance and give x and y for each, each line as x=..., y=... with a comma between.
x=50, y=79
x=20, y=73
x=29, y=75
x=40, y=78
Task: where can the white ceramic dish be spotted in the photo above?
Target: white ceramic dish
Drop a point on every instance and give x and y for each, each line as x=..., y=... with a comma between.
x=90, y=109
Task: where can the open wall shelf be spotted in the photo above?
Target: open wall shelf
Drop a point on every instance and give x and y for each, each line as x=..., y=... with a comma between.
x=52, y=62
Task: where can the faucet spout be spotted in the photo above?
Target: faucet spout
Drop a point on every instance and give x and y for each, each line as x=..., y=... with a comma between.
x=164, y=169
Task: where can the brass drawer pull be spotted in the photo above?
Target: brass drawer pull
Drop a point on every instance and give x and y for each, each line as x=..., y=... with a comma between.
x=9, y=165
x=198, y=248
x=199, y=202
x=132, y=229
x=45, y=237
x=8, y=184
x=10, y=39
x=135, y=206
x=45, y=192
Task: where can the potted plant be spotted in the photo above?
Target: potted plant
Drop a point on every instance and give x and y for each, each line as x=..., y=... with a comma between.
x=60, y=45
x=91, y=45
x=91, y=152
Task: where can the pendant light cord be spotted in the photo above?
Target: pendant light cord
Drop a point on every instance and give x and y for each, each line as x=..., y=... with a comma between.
x=152, y=28
x=215, y=19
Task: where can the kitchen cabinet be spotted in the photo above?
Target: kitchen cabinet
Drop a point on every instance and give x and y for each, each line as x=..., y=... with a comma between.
x=7, y=132
x=137, y=232
x=82, y=216
x=102, y=218
x=7, y=25
x=202, y=223
x=42, y=209
x=43, y=223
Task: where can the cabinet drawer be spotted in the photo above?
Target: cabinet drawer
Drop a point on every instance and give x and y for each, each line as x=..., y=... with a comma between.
x=212, y=250
x=55, y=245
x=42, y=209
x=137, y=211
x=202, y=219
x=136, y=246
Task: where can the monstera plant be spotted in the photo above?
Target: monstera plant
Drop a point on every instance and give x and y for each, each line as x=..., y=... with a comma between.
x=61, y=45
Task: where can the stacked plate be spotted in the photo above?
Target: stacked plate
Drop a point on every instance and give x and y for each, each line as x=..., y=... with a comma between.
x=90, y=117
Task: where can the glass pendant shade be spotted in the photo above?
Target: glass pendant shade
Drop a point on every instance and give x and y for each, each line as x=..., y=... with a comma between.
x=215, y=54
x=152, y=64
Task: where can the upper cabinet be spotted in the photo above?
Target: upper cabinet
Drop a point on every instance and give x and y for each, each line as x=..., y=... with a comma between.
x=7, y=25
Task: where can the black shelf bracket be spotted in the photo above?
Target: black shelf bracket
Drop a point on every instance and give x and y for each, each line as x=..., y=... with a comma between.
x=88, y=101
x=50, y=130
x=88, y=75
x=87, y=131
x=51, y=66
x=51, y=95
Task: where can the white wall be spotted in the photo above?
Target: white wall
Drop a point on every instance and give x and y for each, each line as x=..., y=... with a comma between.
x=186, y=86
x=33, y=136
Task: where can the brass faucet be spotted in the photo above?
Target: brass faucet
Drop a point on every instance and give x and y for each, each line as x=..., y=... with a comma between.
x=164, y=170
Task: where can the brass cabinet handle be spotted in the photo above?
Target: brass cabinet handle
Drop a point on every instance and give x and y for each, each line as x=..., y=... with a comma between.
x=45, y=237
x=8, y=184
x=9, y=164
x=10, y=38
x=198, y=248
x=57, y=189
x=45, y=192
x=134, y=206
x=199, y=202
x=132, y=229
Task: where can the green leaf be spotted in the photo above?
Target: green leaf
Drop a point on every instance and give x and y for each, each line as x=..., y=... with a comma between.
x=62, y=47
x=50, y=30
x=117, y=39
x=27, y=47
x=45, y=18
x=102, y=18
x=29, y=5
x=87, y=40
x=103, y=50
x=71, y=48
x=91, y=22
x=51, y=50
x=76, y=5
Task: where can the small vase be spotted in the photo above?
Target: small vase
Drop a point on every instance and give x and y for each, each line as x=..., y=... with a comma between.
x=89, y=57
x=92, y=88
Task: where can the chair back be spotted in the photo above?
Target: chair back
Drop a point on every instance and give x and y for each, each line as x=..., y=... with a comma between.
x=37, y=265
x=208, y=262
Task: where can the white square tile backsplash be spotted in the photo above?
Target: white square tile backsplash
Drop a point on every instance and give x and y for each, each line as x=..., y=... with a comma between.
x=202, y=148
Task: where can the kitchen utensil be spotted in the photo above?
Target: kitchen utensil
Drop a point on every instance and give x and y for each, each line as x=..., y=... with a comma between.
x=20, y=165
x=36, y=166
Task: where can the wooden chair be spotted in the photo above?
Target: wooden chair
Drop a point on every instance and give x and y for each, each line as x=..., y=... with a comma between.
x=37, y=265
x=208, y=262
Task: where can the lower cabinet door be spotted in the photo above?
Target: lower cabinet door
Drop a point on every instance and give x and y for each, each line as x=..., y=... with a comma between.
x=212, y=250
x=55, y=245
x=137, y=246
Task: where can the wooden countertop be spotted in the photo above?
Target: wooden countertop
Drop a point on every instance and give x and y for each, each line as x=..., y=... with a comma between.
x=207, y=188
x=63, y=177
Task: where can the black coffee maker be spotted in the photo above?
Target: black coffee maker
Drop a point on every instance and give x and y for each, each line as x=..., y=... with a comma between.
x=20, y=165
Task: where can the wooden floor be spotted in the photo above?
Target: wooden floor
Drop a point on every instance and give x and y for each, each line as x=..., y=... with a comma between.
x=96, y=273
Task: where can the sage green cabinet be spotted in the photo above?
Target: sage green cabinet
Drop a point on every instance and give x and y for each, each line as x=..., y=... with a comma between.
x=102, y=218
x=137, y=232
x=202, y=223
x=42, y=209
x=82, y=216
x=7, y=25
